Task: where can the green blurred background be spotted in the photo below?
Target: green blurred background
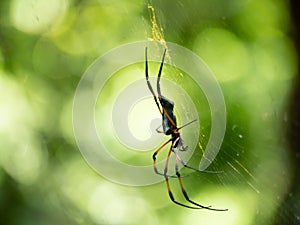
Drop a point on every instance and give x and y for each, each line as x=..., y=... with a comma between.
x=250, y=45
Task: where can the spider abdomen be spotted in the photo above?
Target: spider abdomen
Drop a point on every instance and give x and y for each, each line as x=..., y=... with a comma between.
x=168, y=117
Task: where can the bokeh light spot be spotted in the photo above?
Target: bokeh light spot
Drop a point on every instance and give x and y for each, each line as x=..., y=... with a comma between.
x=22, y=155
x=222, y=51
x=138, y=120
x=36, y=16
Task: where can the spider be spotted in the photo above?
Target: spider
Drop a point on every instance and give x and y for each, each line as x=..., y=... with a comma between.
x=169, y=125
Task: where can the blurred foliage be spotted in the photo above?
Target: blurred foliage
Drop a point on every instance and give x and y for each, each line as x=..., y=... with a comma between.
x=45, y=47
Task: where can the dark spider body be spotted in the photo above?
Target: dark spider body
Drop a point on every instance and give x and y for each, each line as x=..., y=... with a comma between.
x=168, y=105
x=169, y=124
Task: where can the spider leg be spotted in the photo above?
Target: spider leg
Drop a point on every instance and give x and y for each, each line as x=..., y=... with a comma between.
x=184, y=148
x=159, y=91
x=149, y=84
x=192, y=168
x=185, y=193
x=159, y=131
x=187, y=124
x=159, y=74
x=154, y=156
x=158, y=86
x=154, y=159
x=168, y=185
x=169, y=118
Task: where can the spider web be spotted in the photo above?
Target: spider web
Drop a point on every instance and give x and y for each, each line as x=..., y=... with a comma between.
x=254, y=155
